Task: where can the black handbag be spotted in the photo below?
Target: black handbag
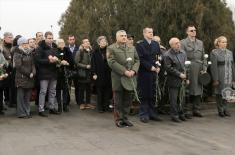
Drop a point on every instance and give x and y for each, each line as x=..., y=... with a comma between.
x=78, y=73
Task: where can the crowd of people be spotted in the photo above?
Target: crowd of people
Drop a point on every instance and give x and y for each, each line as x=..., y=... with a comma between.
x=44, y=69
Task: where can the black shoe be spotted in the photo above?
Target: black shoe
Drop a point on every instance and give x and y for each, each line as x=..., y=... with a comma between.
x=24, y=117
x=42, y=114
x=182, y=118
x=156, y=118
x=175, y=119
x=197, y=114
x=144, y=120
x=188, y=116
x=2, y=113
x=53, y=111
x=226, y=113
x=120, y=124
x=221, y=114
x=12, y=106
x=101, y=111
x=128, y=123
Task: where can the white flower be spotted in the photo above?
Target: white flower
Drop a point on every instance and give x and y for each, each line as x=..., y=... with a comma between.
x=187, y=63
x=160, y=58
x=205, y=56
x=209, y=62
x=158, y=63
x=129, y=59
x=61, y=54
x=4, y=75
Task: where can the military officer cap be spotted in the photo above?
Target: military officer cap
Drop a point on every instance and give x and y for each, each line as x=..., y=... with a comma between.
x=130, y=36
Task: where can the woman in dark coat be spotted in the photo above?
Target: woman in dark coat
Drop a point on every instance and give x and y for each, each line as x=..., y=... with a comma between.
x=83, y=62
x=66, y=59
x=101, y=74
x=24, y=78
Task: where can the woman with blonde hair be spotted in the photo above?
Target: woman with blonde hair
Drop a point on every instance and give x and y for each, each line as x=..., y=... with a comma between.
x=223, y=74
x=216, y=43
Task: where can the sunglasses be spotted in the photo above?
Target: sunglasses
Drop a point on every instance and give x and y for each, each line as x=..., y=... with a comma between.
x=192, y=30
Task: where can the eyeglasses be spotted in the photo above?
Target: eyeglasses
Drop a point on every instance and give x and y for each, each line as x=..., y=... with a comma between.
x=192, y=30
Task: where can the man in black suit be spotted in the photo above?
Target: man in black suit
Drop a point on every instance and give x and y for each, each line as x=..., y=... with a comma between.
x=73, y=48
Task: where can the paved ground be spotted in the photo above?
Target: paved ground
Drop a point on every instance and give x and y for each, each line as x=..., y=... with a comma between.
x=90, y=133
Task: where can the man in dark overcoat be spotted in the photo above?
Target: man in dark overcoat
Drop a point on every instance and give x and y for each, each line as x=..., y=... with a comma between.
x=148, y=50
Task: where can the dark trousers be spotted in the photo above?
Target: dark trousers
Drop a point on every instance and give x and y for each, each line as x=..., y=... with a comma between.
x=103, y=96
x=62, y=95
x=147, y=108
x=196, y=102
x=10, y=92
x=23, y=101
x=122, y=102
x=84, y=90
x=221, y=103
x=176, y=107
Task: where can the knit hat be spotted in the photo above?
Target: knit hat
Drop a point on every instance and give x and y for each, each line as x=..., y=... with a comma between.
x=21, y=41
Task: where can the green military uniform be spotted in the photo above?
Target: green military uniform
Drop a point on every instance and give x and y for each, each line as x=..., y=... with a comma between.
x=195, y=53
x=222, y=70
x=117, y=55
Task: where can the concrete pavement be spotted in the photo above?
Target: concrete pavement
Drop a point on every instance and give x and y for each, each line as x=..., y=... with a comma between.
x=91, y=133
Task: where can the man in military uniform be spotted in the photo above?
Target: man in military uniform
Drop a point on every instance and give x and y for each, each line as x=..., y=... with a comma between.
x=147, y=51
x=195, y=51
x=175, y=67
x=119, y=56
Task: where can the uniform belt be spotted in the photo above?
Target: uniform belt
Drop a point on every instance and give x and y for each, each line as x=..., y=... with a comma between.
x=197, y=61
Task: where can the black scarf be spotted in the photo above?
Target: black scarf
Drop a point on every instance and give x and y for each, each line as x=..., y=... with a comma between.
x=8, y=45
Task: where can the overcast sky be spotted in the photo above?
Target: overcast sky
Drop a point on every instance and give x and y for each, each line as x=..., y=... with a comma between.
x=26, y=17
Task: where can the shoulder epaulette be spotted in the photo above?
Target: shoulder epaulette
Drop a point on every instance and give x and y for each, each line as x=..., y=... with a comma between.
x=140, y=41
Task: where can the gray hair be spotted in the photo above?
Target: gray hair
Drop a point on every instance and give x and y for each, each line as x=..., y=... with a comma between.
x=59, y=41
x=101, y=38
x=120, y=31
x=172, y=40
x=7, y=34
